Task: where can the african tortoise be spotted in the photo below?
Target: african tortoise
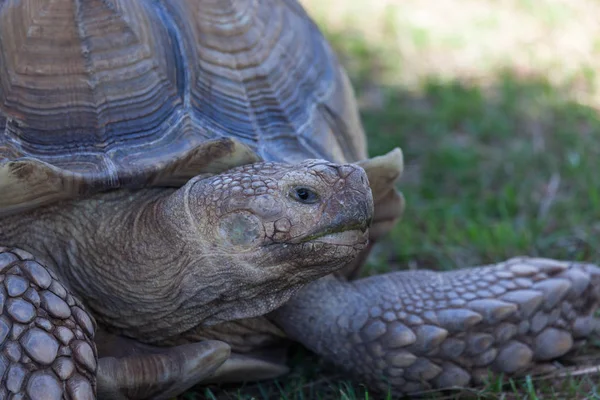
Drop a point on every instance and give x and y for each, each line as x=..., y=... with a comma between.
x=193, y=176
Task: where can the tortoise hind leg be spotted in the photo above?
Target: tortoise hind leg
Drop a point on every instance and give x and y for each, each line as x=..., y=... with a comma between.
x=47, y=349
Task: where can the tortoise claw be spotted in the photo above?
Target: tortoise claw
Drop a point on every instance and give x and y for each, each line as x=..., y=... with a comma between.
x=160, y=375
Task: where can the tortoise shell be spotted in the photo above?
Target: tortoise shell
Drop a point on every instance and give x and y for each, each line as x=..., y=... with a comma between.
x=101, y=94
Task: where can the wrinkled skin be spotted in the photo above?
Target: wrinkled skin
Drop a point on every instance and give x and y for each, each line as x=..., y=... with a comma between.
x=404, y=331
x=100, y=95
x=153, y=264
x=220, y=248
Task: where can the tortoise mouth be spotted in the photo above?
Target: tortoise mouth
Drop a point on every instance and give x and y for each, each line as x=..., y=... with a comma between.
x=349, y=235
x=354, y=237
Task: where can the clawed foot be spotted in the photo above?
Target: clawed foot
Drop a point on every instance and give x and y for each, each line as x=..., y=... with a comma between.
x=130, y=370
x=145, y=372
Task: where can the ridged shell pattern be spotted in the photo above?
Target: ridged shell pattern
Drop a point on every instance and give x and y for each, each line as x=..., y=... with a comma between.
x=114, y=89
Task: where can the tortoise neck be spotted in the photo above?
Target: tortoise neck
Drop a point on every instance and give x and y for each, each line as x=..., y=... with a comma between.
x=118, y=251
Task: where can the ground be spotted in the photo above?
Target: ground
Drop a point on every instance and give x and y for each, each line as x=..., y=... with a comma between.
x=496, y=107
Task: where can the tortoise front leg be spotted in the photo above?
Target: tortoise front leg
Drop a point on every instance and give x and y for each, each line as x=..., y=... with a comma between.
x=47, y=348
x=46, y=336
x=417, y=330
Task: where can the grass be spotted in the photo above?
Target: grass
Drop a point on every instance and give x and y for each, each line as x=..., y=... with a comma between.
x=492, y=173
x=495, y=105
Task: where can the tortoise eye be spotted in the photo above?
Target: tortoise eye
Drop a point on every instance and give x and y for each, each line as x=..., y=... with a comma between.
x=304, y=195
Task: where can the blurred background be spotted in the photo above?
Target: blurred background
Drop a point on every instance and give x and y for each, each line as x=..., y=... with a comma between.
x=495, y=104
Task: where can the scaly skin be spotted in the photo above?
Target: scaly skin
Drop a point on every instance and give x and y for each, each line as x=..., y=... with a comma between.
x=48, y=350
x=417, y=330
x=409, y=330
x=153, y=263
x=46, y=335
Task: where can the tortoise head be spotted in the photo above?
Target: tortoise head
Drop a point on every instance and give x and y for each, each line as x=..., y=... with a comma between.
x=263, y=230
x=313, y=214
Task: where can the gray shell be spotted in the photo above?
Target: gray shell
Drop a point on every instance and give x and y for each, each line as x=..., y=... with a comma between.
x=96, y=95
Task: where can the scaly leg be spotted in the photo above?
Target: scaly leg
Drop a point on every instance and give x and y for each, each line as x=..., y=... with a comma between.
x=47, y=348
x=417, y=330
x=46, y=336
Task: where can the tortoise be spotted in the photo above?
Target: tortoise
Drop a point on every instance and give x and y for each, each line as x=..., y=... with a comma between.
x=186, y=189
